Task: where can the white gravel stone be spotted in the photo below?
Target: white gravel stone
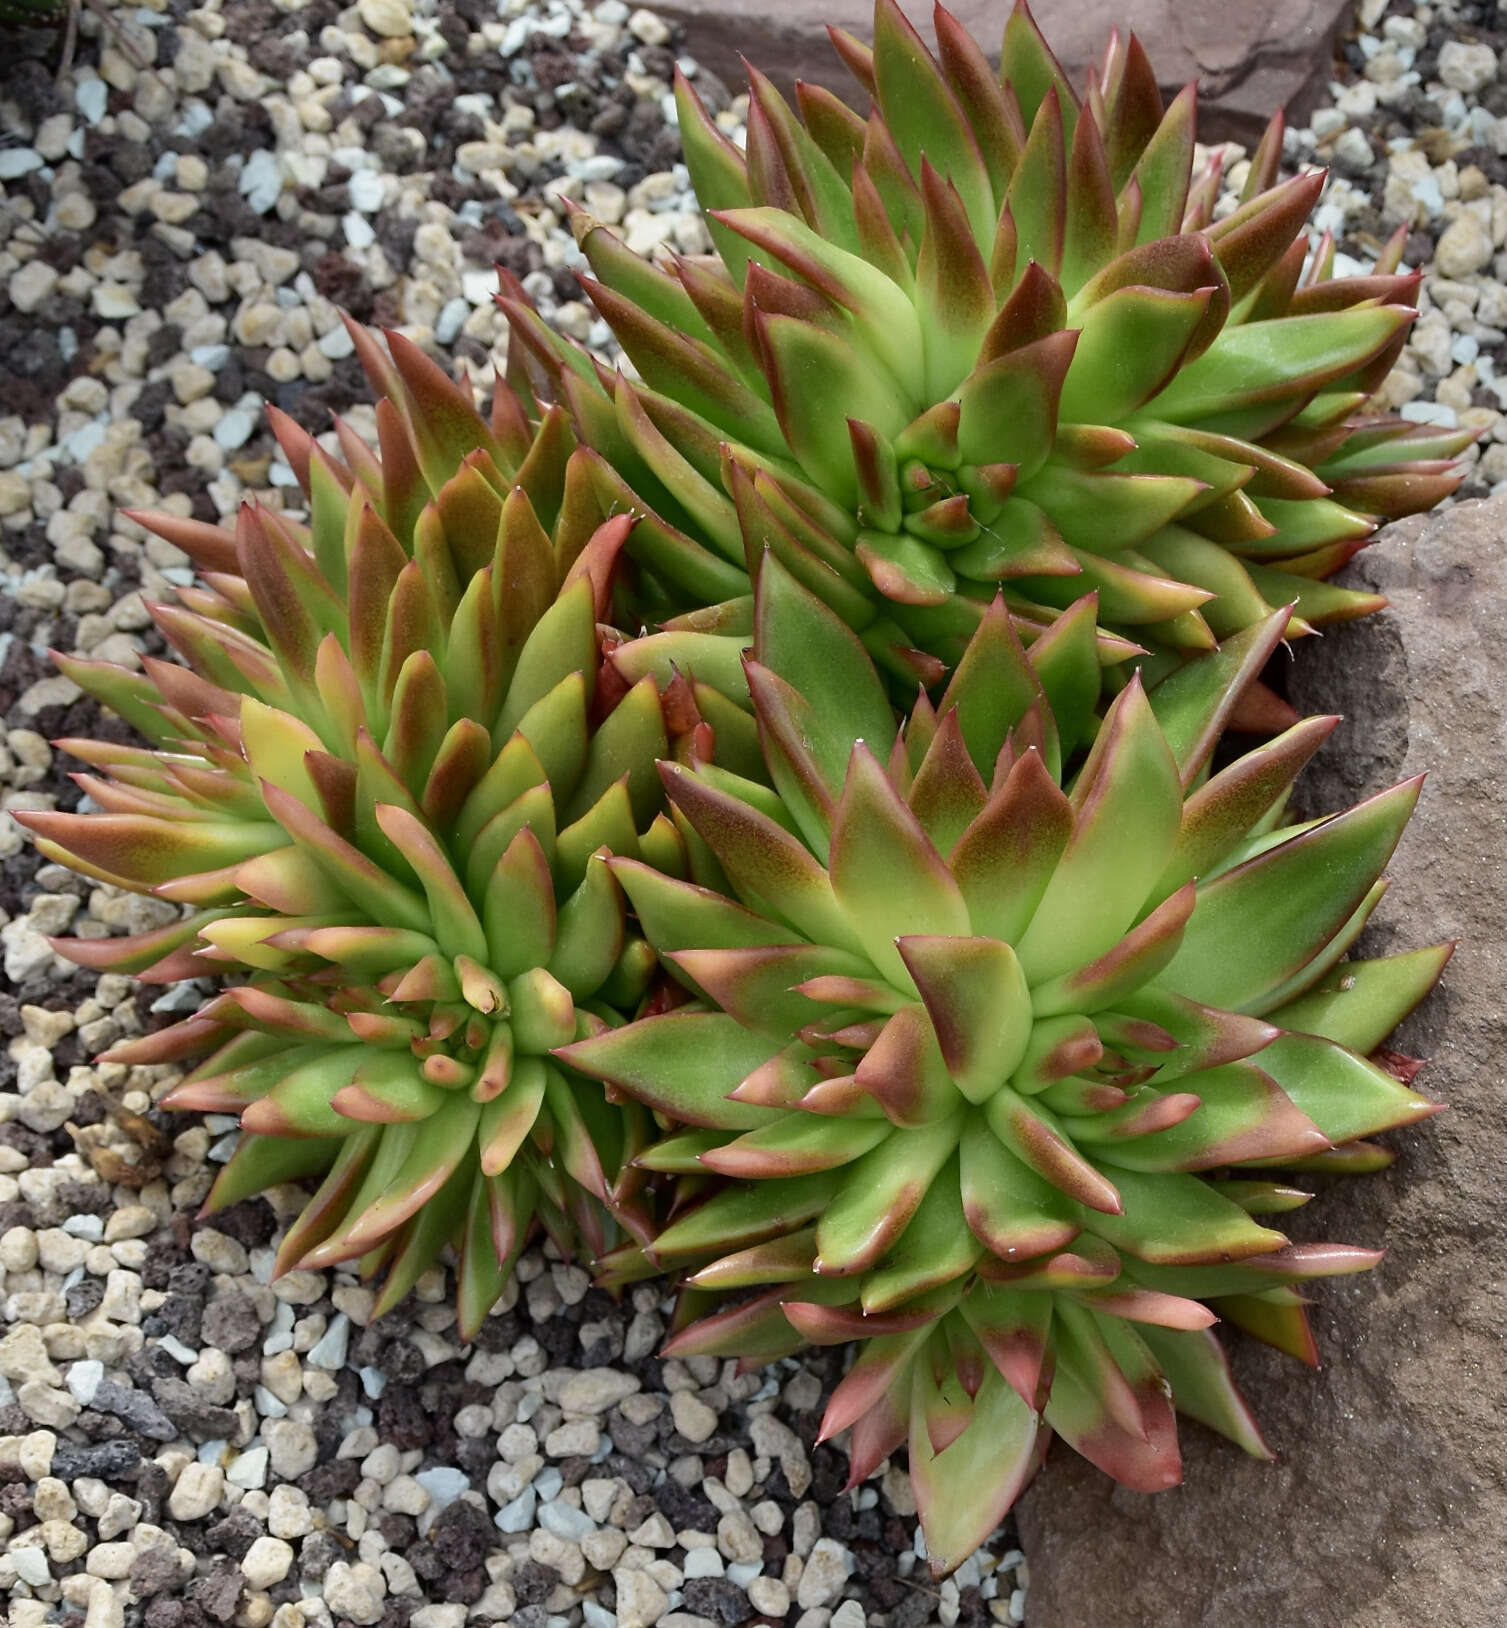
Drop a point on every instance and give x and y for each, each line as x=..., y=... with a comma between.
x=46, y=1405
x=18, y=1249
x=196, y=1492
x=825, y=1574
x=1466, y=66
x=111, y=1560
x=23, y=1357
x=261, y=181
x=84, y=1379
x=1464, y=246
x=517, y=1515
x=391, y=19
x=693, y=1418
x=18, y=161
x=565, y=1521
x=90, y=97
x=219, y=1252
x=769, y=1596
x=737, y=1537
x=267, y=1561
x=355, y=1591
x=404, y=1496
x=648, y=29
x=443, y=1484
x=248, y=1469
x=330, y=1349
x=439, y=1616
x=31, y=1566
x=594, y=1390
x=120, y=1515
x=106, y=1609
x=292, y=1448
x=114, y=302
x=288, y=1513
x=337, y=343
x=366, y=191
x=640, y=1600
x=32, y=285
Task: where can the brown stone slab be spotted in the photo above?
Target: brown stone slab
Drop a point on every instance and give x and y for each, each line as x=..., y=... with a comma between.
x=1249, y=58
x=1387, y=1508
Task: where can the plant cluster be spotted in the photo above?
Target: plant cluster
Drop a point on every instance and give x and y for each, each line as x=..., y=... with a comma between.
x=805, y=817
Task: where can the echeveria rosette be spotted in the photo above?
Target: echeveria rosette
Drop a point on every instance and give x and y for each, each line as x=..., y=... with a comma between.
x=383, y=777
x=997, y=1062
x=989, y=338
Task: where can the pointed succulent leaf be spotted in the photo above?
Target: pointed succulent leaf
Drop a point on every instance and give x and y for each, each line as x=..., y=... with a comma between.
x=962, y=1493
x=683, y=1063
x=904, y=1071
x=1241, y=1113
x=1134, y=961
x=1202, y=1386
x=924, y=115
x=1009, y=406
x=748, y=1213
x=1122, y=1421
x=1126, y=806
x=795, y=1145
x=1257, y=924
x=1006, y=859
x=806, y=645
x=1345, y=1095
x=1177, y=1220
x=765, y=862
x=886, y=875
x=1033, y=1135
x=1013, y=1212
x=980, y=1007
x=879, y=1195
x=1361, y=1002
x=1132, y=342
x=1222, y=812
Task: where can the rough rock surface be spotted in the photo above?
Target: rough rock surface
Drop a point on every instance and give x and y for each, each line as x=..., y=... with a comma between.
x=1249, y=59
x=1388, y=1506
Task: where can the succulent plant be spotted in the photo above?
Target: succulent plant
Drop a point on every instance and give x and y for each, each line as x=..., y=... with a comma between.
x=990, y=338
x=994, y=1039
x=382, y=777
x=998, y=1064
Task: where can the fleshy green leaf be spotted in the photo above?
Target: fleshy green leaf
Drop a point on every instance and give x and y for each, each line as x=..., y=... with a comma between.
x=886, y=875
x=1127, y=803
x=683, y=1064
x=1256, y=925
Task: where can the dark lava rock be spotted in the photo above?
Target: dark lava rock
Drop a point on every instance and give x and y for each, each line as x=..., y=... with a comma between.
x=462, y=1536
x=718, y=1599
x=685, y=1510
x=230, y=1322
x=135, y=1409
x=337, y=1478
x=190, y=1412
x=533, y=1581
x=401, y=1420
x=220, y=1593
x=234, y=1535
x=105, y=1460
x=155, y=1571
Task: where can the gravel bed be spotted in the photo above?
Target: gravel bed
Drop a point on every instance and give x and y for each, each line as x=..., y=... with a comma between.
x=182, y=1441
